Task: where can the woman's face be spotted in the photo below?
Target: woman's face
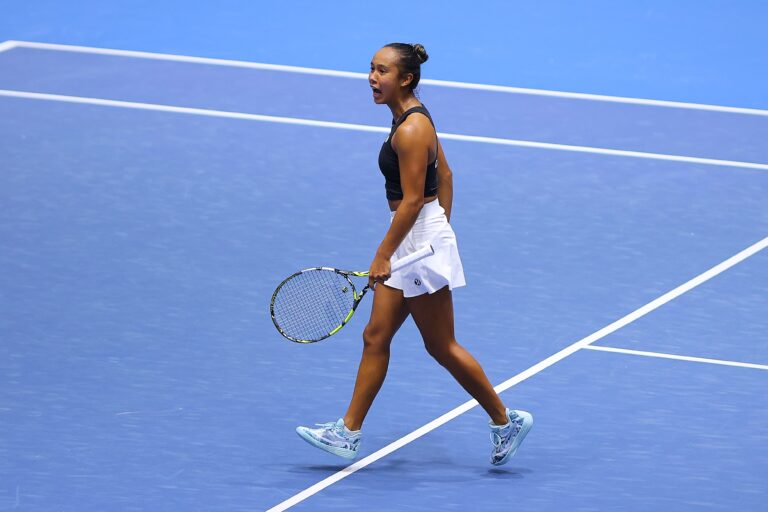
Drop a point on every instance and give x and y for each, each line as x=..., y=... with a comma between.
x=384, y=77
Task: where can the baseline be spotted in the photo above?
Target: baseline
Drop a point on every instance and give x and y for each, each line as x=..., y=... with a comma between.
x=645, y=353
x=8, y=45
x=520, y=377
x=357, y=75
x=377, y=129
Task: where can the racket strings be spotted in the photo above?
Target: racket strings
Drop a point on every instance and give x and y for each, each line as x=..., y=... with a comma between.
x=311, y=304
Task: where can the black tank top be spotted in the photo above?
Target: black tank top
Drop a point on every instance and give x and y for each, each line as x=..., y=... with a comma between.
x=390, y=164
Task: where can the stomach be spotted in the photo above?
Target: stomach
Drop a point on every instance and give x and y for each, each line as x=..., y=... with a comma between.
x=395, y=203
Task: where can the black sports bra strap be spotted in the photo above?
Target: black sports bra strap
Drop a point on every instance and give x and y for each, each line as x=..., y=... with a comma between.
x=423, y=110
x=420, y=109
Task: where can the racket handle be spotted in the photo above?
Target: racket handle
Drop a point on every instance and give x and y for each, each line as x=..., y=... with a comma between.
x=412, y=258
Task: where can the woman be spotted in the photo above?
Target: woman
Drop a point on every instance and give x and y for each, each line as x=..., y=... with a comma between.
x=413, y=163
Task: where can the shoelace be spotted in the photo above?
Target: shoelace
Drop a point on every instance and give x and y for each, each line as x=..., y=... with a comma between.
x=335, y=428
x=497, y=440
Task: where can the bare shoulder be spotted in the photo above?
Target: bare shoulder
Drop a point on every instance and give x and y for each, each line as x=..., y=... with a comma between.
x=416, y=130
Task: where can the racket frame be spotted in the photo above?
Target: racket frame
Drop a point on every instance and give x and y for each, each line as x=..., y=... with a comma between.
x=426, y=251
x=356, y=299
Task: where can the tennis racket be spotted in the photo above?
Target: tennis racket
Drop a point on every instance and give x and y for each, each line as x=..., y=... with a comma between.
x=315, y=303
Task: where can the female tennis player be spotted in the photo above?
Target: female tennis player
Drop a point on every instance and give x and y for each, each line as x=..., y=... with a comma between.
x=419, y=188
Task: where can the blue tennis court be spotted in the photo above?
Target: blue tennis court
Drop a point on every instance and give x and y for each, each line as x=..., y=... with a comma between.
x=615, y=259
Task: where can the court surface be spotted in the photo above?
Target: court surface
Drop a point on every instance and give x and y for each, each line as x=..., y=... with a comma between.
x=151, y=205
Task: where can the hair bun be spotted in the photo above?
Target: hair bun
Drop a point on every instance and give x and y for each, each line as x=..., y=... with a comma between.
x=421, y=52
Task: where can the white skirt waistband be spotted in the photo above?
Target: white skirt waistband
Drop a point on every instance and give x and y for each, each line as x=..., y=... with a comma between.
x=428, y=211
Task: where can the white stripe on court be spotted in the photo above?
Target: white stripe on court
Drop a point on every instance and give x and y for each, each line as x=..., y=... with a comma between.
x=187, y=59
x=674, y=356
x=357, y=75
x=533, y=370
x=189, y=110
x=7, y=45
x=377, y=129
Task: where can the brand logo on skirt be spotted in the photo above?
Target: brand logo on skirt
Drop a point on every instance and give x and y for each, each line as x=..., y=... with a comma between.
x=417, y=281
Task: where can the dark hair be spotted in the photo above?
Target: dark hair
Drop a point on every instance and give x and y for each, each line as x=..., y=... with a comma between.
x=412, y=56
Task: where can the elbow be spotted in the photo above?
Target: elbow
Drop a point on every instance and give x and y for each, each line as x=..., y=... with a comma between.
x=413, y=203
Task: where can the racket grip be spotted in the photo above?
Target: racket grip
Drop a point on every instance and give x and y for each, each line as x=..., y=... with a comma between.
x=412, y=258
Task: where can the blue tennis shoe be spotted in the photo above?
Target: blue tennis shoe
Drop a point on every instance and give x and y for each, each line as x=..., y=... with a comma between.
x=332, y=437
x=506, y=439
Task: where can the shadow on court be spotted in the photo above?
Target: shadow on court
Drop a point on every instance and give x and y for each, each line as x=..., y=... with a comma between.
x=420, y=471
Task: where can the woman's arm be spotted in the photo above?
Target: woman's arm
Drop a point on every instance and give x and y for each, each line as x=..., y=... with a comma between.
x=444, y=182
x=411, y=142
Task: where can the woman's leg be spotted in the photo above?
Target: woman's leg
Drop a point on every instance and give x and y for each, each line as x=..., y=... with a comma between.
x=433, y=314
x=388, y=313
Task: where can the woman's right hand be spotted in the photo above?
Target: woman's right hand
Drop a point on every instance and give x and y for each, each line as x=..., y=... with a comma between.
x=380, y=270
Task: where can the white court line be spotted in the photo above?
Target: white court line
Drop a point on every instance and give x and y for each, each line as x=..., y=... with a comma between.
x=190, y=110
x=377, y=129
x=674, y=356
x=533, y=370
x=350, y=74
x=7, y=45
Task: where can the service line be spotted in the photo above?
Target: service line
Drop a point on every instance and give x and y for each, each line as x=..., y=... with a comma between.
x=378, y=129
x=661, y=355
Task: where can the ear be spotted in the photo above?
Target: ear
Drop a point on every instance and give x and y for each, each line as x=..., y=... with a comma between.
x=407, y=80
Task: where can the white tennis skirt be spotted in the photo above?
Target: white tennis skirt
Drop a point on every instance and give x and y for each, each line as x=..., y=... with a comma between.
x=434, y=272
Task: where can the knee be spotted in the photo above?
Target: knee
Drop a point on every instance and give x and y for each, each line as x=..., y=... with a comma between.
x=440, y=350
x=375, y=340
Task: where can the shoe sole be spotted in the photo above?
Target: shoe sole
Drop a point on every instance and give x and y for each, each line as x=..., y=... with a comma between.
x=340, y=452
x=526, y=427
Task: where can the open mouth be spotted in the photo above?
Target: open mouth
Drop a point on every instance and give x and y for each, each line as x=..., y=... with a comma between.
x=375, y=90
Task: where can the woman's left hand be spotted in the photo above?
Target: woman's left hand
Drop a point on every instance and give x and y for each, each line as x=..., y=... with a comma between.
x=380, y=271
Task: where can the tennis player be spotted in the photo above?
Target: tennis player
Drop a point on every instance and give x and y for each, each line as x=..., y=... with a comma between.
x=419, y=189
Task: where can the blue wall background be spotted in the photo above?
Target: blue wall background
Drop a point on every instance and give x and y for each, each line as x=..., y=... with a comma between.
x=699, y=51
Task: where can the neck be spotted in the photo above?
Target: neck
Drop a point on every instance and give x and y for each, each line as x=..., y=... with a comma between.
x=400, y=105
